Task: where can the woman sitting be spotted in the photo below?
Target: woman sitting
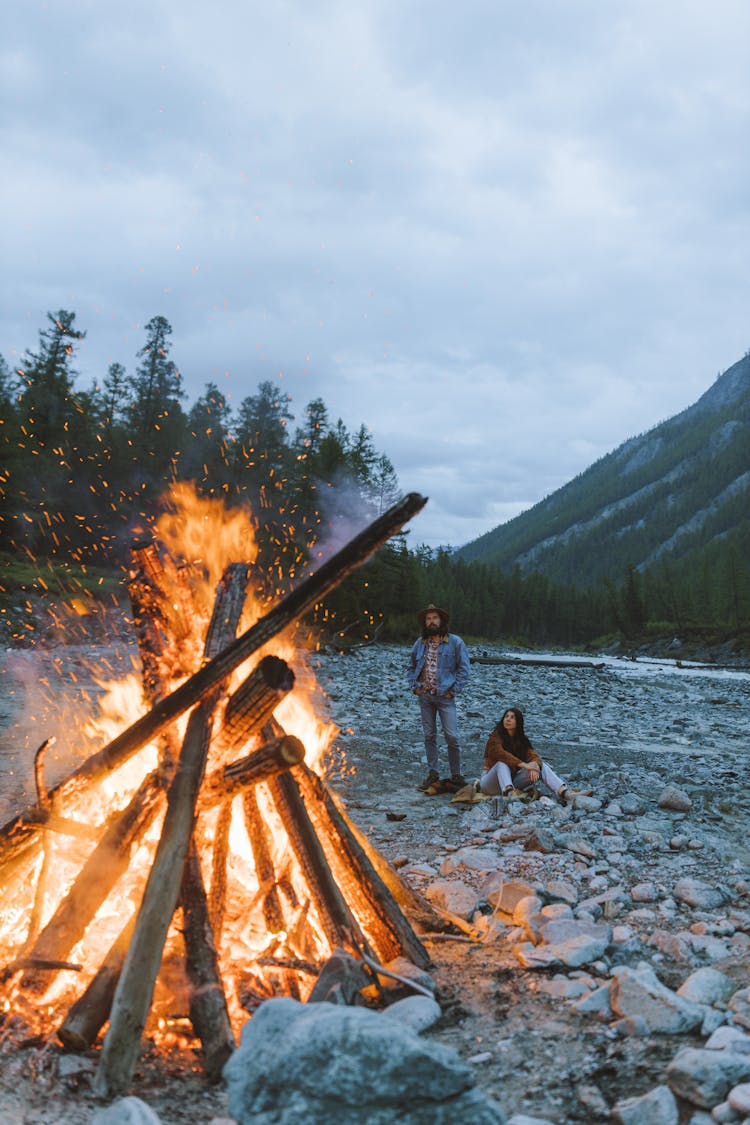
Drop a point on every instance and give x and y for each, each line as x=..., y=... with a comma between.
x=512, y=765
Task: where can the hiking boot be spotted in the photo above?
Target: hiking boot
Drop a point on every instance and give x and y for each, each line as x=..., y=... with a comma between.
x=455, y=782
x=429, y=781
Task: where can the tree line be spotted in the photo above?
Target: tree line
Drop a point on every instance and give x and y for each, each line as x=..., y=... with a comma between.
x=82, y=468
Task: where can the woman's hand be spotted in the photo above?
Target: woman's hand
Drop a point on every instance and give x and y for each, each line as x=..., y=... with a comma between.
x=533, y=771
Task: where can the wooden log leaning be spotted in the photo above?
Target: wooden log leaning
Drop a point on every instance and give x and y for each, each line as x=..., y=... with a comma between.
x=102, y=870
x=209, y=1014
x=85, y=1019
x=415, y=905
x=339, y=925
x=260, y=842
x=18, y=836
x=253, y=703
x=219, y=857
x=265, y=763
x=135, y=987
x=379, y=913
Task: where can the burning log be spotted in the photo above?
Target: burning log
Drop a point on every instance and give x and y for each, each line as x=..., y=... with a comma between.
x=417, y=907
x=338, y=923
x=263, y=764
x=102, y=870
x=253, y=703
x=19, y=835
x=379, y=913
x=90, y=1012
x=218, y=896
x=208, y=1007
x=136, y=985
x=264, y=869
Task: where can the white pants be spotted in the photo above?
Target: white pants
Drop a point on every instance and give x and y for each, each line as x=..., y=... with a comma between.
x=498, y=778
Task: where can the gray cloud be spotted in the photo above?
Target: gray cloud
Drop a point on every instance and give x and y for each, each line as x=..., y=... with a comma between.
x=506, y=237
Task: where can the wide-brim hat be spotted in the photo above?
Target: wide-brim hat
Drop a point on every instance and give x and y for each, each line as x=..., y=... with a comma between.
x=444, y=615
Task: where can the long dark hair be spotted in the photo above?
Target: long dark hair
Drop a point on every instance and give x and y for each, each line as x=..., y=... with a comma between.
x=519, y=739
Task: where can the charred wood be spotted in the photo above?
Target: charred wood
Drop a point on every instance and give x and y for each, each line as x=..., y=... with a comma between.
x=218, y=896
x=373, y=903
x=209, y=1014
x=87, y=1016
x=136, y=984
x=260, y=842
x=253, y=703
x=337, y=921
x=266, y=762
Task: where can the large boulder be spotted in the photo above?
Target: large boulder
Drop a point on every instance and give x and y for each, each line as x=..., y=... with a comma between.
x=325, y=1064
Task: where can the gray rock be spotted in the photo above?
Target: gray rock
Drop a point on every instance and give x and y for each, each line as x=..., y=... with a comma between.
x=631, y=1026
x=707, y=986
x=416, y=1012
x=473, y=859
x=453, y=895
x=703, y=1077
x=524, y=1119
x=639, y=992
x=505, y=894
x=644, y=892
x=739, y=1098
x=631, y=804
x=126, y=1111
x=559, y=890
x=739, y=1006
x=729, y=1037
x=563, y=988
x=674, y=798
x=697, y=893
x=657, y=1107
x=540, y=840
x=329, y=1065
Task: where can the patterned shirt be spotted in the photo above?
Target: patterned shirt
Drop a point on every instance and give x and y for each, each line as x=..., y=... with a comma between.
x=428, y=678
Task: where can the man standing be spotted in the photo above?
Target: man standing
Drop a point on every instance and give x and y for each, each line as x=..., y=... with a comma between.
x=438, y=669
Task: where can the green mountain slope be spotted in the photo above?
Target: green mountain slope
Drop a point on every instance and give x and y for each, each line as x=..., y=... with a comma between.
x=680, y=489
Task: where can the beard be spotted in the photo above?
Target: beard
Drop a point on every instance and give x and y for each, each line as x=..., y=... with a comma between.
x=433, y=630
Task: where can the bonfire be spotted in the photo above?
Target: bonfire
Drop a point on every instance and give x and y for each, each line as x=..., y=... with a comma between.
x=198, y=863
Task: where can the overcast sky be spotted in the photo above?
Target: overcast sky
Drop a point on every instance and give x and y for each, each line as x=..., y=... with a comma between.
x=505, y=236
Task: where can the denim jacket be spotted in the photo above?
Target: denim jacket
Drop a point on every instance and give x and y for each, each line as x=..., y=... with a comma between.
x=453, y=664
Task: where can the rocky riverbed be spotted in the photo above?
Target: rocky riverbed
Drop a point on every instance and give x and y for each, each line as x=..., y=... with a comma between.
x=600, y=968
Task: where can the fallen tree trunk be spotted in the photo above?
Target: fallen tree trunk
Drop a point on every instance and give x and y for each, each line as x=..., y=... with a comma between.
x=538, y=661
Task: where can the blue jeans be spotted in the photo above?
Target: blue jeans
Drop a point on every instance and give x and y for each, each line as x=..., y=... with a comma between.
x=431, y=706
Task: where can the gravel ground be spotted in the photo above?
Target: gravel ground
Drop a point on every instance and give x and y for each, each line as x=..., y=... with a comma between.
x=627, y=728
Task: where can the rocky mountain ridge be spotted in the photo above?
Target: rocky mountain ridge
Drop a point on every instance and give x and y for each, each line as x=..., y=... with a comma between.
x=676, y=489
